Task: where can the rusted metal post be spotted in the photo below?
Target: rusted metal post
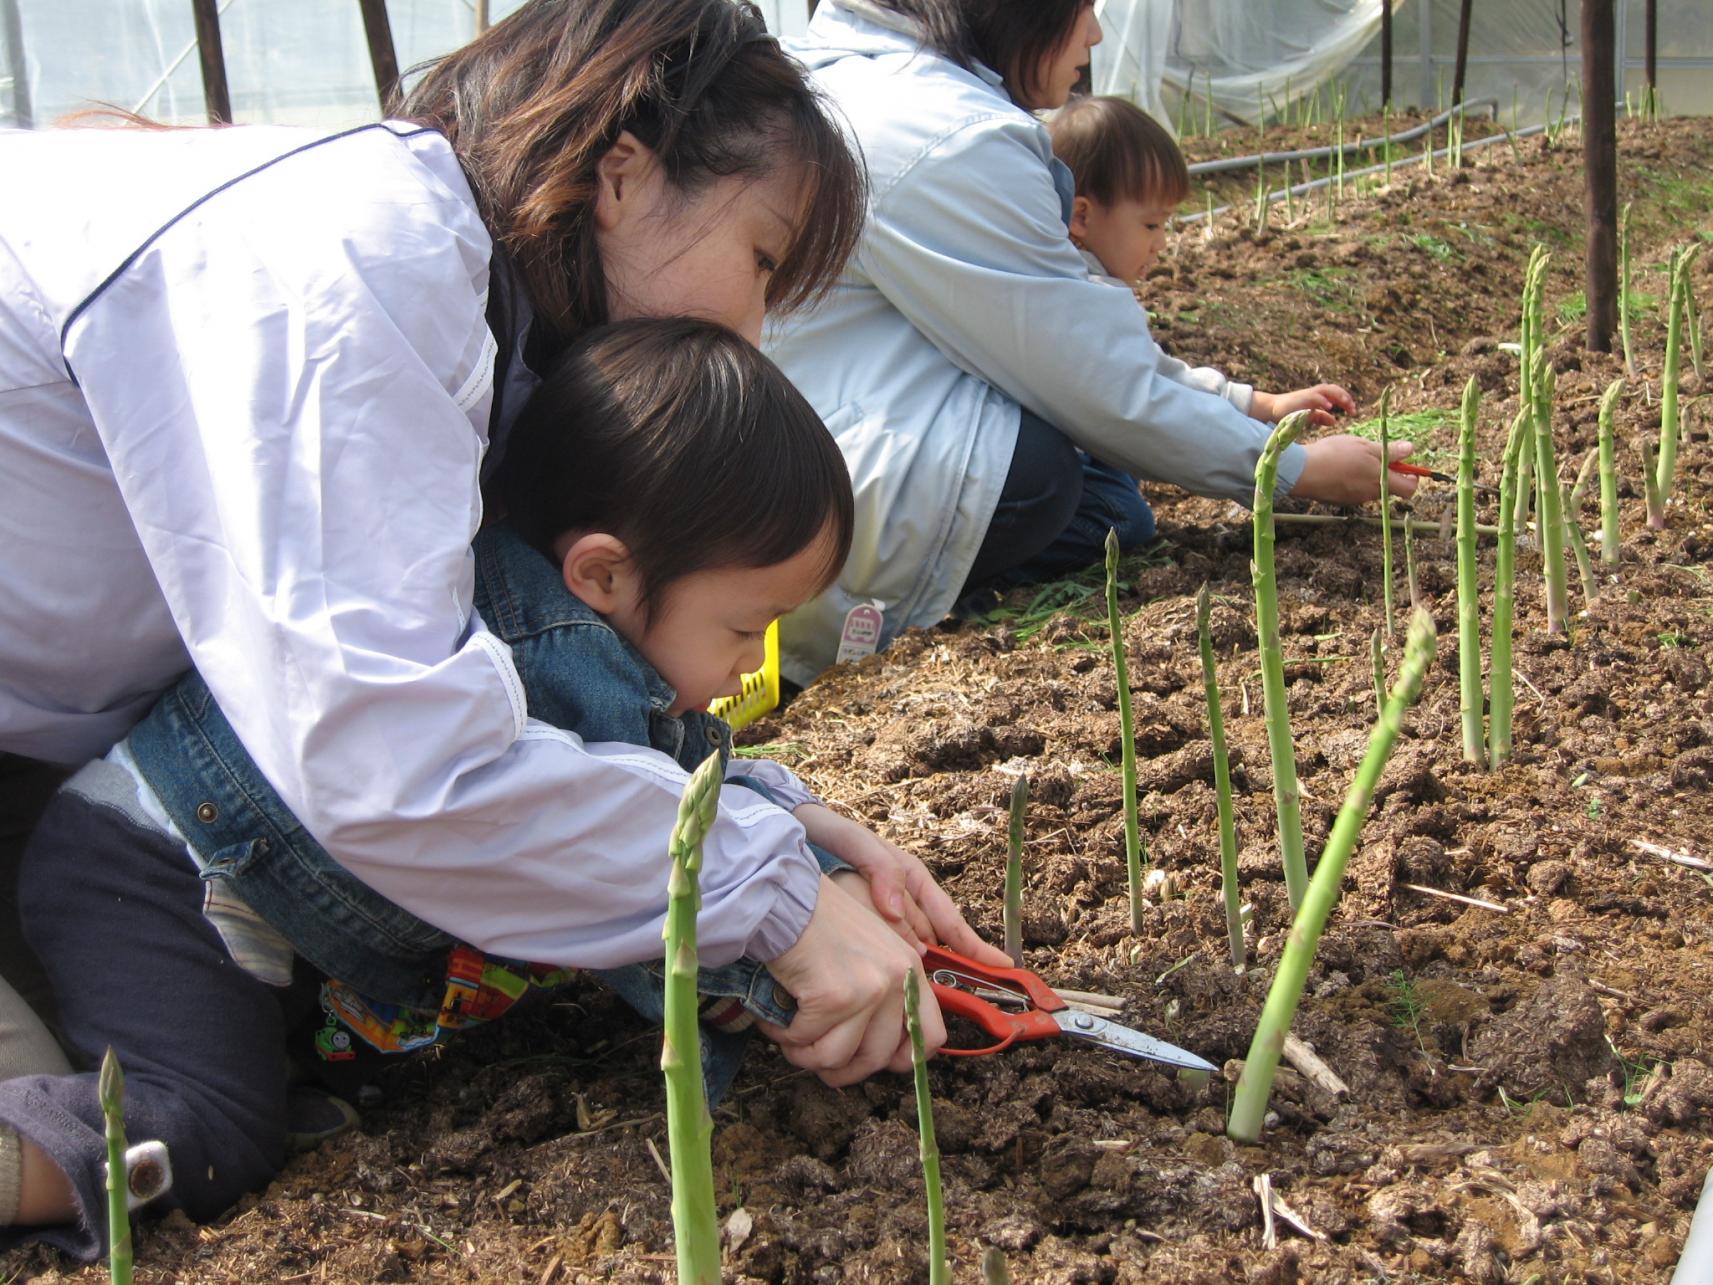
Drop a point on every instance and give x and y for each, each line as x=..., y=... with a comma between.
x=1600, y=166
x=208, y=47
x=1385, y=52
x=1652, y=41
x=1459, y=75
x=382, y=57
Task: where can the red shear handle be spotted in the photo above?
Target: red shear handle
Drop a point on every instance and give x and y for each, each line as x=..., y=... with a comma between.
x=1414, y=470
x=1033, y=1023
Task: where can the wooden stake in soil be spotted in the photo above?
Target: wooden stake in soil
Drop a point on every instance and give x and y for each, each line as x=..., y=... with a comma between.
x=1221, y=784
x=1287, y=799
x=1468, y=601
x=1600, y=171
x=1014, y=872
x=689, y=1128
x=1255, y=1085
x=1132, y=826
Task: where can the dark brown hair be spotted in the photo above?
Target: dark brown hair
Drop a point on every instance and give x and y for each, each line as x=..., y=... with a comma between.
x=533, y=104
x=1009, y=36
x=682, y=440
x=1117, y=152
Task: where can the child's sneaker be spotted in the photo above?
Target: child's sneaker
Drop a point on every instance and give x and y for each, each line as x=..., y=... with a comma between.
x=314, y=1117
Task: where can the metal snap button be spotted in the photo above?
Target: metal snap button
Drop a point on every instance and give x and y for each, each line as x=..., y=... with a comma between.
x=713, y=736
x=206, y=812
x=263, y=847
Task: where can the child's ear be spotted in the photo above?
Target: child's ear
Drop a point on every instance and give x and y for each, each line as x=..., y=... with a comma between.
x=597, y=567
x=1079, y=218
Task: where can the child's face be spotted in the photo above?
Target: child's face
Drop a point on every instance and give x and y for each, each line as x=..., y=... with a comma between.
x=1126, y=236
x=706, y=630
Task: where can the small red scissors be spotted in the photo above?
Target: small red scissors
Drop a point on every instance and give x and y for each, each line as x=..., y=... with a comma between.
x=1013, y=1004
x=1417, y=470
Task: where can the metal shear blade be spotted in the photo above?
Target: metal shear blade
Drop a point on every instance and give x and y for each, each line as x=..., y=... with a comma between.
x=1086, y=1026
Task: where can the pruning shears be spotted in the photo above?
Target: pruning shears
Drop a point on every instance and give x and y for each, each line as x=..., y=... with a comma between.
x=1419, y=470
x=1013, y=1004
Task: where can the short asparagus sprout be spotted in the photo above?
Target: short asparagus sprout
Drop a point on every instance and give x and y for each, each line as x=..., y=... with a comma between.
x=1609, y=474
x=1386, y=509
x=1287, y=799
x=1132, y=827
x=1650, y=484
x=110, y=1088
x=1410, y=581
x=1014, y=872
x=1579, y=548
x=1255, y=1084
x=1221, y=783
x=1386, y=146
x=1669, y=422
x=1260, y=197
x=1468, y=601
x=993, y=1268
x=1504, y=594
x=1539, y=386
x=939, y=1272
x=1624, y=287
x=689, y=1128
x=1377, y=651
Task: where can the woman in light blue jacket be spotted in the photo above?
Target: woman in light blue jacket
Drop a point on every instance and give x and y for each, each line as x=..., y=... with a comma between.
x=966, y=354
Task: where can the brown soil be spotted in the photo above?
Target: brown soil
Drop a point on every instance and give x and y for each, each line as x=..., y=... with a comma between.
x=1531, y=1091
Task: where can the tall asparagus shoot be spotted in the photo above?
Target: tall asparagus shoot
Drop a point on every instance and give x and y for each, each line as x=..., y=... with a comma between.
x=1609, y=474
x=1132, y=830
x=1221, y=783
x=1624, y=287
x=1415, y=589
x=1549, y=505
x=1287, y=799
x=1014, y=872
x=110, y=1088
x=1386, y=509
x=689, y=1128
x=1668, y=419
x=1386, y=127
x=939, y=1273
x=1255, y=1084
x=1504, y=594
x=1468, y=602
x=1377, y=652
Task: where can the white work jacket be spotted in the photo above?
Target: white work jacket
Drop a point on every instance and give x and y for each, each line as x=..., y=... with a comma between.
x=965, y=301
x=245, y=383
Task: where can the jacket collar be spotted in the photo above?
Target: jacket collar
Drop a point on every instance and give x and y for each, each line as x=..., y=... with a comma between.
x=842, y=27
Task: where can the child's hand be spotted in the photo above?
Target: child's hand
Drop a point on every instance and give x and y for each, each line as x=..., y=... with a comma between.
x=1324, y=400
x=900, y=888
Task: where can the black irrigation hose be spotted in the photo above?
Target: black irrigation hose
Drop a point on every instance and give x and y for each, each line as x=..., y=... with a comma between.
x=1489, y=105
x=1314, y=185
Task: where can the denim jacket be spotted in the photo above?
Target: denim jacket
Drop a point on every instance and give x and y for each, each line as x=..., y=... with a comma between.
x=578, y=674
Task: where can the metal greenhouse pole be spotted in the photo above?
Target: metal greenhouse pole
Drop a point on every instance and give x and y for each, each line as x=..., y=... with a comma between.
x=23, y=115
x=213, y=55
x=1462, y=53
x=1385, y=52
x=1600, y=167
x=382, y=57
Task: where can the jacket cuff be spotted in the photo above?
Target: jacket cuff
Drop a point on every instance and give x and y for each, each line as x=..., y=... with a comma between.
x=1292, y=460
x=798, y=889
x=783, y=789
x=1239, y=395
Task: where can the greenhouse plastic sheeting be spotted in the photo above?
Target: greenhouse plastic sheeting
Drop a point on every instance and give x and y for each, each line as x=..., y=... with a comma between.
x=302, y=62
x=306, y=61
x=1257, y=58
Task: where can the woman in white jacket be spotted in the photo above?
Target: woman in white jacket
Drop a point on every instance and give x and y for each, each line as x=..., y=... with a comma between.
x=250, y=380
x=966, y=354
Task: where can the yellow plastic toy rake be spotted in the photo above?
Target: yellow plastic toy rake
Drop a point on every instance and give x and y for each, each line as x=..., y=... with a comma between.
x=760, y=693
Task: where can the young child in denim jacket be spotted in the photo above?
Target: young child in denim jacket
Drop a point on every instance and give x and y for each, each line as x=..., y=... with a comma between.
x=667, y=494
x=1130, y=178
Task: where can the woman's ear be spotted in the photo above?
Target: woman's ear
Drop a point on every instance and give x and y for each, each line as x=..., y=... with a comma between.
x=622, y=176
x=598, y=568
x=1079, y=218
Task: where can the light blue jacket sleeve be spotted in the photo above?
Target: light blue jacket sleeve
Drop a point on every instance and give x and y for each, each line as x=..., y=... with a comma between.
x=970, y=244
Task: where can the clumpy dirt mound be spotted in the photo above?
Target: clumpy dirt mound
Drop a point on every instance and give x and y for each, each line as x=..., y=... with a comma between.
x=1514, y=988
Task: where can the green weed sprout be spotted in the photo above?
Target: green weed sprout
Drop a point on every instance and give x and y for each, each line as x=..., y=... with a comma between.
x=939, y=1273
x=1505, y=594
x=689, y=1128
x=1132, y=829
x=1624, y=287
x=1468, y=601
x=1609, y=475
x=1386, y=509
x=110, y=1088
x=1221, y=783
x=1255, y=1085
x=1669, y=421
x=1014, y=872
x=1287, y=799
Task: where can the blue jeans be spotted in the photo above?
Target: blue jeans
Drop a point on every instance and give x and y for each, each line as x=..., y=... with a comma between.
x=1054, y=511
